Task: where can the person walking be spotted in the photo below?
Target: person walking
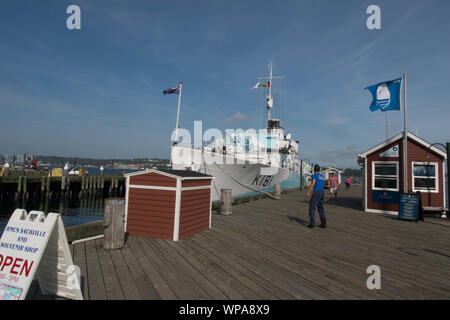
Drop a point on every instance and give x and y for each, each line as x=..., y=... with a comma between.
x=347, y=184
x=333, y=183
x=317, y=183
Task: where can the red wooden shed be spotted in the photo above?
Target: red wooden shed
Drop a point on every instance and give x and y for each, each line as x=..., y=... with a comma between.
x=383, y=174
x=167, y=204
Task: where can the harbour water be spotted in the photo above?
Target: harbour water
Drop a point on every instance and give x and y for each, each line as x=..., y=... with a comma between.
x=75, y=208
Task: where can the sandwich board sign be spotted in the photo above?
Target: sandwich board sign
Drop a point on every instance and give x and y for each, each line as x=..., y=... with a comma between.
x=410, y=207
x=35, y=245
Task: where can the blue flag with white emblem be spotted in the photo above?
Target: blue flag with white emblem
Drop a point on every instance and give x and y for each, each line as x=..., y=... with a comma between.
x=386, y=95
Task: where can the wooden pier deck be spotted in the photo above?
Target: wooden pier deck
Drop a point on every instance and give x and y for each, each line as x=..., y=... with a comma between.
x=265, y=251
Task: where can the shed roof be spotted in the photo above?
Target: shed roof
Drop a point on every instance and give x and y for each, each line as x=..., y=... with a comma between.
x=182, y=174
x=399, y=136
x=333, y=169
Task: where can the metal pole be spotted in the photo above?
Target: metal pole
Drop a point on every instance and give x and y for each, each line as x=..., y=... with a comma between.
x=448, y=174
x=269, y=117
x=387, y=126
x=405, y=141
x=301, y=174
x=445, y=192
x=178, y=113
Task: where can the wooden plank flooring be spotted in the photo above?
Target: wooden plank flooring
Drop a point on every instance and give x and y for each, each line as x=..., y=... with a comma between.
x=265, y=251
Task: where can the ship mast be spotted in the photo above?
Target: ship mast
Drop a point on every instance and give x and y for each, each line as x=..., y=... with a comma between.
x=269, y=103
x=269, y=100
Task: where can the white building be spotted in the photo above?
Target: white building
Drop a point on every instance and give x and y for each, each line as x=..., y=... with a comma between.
x=327, y=173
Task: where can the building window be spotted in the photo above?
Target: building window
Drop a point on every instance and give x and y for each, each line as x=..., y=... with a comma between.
x=385, y=176
x=425, y=177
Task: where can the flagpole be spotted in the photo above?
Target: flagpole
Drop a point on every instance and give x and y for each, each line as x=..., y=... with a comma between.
x=178, y=114
x=387, y=126
x=405, y=141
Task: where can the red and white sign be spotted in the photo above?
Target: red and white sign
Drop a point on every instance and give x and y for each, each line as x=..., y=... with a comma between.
x=33, y=244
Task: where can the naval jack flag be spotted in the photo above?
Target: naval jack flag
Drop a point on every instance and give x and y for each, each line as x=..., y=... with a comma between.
x=175, y=90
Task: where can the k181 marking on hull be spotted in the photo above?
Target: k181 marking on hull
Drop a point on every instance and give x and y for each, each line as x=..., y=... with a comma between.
x=262, y=180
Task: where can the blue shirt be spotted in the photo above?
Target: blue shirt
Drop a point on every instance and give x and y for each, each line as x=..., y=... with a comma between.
x=319, y=181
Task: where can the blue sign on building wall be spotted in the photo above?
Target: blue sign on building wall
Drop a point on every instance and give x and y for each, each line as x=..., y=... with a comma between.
x=391, y=197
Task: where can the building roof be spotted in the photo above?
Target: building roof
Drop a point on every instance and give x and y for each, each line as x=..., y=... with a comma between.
x=182, y=174
x=399, y=137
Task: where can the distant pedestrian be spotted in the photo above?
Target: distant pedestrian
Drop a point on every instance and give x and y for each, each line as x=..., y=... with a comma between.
x=317, y=183
x=333, y=183
x=347, y=184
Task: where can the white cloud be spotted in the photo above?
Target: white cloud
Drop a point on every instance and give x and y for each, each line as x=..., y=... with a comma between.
x=237, y=117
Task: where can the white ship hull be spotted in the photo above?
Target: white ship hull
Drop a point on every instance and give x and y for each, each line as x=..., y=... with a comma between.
x=241, y=178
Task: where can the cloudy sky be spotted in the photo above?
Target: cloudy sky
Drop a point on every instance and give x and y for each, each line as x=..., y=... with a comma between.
x=97, y=92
